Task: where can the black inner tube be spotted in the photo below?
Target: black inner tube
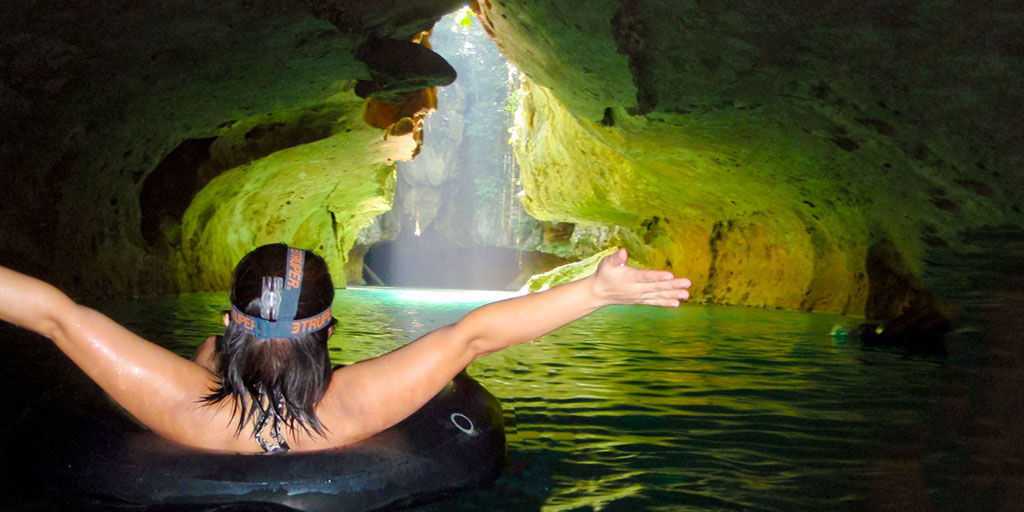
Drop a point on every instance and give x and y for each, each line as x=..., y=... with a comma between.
x=77, y=443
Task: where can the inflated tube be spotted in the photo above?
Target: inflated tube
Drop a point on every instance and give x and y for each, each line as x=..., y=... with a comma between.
x=83, y=444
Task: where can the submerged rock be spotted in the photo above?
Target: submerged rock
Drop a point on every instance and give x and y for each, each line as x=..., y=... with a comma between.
x=917, y=330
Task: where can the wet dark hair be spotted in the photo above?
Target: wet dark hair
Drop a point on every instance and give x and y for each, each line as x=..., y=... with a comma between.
x=277, y=380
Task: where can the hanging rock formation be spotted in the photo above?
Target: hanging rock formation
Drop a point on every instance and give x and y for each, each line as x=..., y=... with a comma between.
x=399, y=68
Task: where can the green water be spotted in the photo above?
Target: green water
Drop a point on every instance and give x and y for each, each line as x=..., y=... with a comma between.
x=646, y=408
x=698, y=408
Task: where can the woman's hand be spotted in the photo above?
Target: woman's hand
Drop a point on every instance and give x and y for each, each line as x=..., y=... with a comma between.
x=615, y=282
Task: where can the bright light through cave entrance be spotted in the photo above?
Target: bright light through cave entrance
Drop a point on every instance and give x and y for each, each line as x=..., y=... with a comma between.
x=456, y=221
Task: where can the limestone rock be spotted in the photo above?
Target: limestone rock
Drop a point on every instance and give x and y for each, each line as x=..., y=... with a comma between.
x=780, y=154
x=98, y=96
x=566, y=273
x=316, y=196
x=764, y=149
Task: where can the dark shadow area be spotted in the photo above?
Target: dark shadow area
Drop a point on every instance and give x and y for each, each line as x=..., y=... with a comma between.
x=901, y=313
x=966, y=452
x=168, y=190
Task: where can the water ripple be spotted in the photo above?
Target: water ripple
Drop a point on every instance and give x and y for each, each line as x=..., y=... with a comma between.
x=699, y=408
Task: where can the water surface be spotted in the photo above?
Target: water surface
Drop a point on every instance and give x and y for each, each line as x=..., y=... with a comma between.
x=712, y=408
x=645, y=408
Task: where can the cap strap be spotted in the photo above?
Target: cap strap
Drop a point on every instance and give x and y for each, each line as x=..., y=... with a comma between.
x=284, y=323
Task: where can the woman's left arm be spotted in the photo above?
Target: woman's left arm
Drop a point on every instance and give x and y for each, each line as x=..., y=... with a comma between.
x=30, y=303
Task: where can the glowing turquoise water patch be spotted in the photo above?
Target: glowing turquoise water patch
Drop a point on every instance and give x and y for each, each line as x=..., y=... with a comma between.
x=437, y=296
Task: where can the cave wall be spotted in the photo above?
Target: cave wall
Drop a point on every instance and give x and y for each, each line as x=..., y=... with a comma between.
x=792, y=154
x=100, y=96
x=315, y=195
x=769, y=150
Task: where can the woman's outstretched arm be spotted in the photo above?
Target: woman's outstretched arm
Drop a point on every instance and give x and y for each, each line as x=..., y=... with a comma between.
x=153, y=384
x=373, y=395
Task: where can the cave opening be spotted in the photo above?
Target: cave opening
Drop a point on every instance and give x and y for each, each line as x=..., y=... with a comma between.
x=167, y=191
x=456, y=220
x=443, y=265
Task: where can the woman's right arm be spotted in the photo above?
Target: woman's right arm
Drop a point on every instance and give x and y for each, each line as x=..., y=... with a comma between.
x=372, y=395
x=153, y=384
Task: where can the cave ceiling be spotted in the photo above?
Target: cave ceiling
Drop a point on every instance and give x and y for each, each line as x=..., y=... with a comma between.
x=786, y=154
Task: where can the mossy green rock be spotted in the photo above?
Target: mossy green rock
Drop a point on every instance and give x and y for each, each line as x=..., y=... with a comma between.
x=764, y=150
x=97, y=96
x=567, y=273
x=315, y=196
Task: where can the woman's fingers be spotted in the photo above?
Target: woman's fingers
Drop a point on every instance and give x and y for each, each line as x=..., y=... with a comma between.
x=666, y=293
x=675, y=293
x=663, y=277
x=651, y=276
x=679, y=282
x=658, y=294
x=674, y=284
x=631, y=285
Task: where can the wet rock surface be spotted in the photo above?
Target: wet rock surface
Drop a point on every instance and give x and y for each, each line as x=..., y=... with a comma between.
x=117, y=114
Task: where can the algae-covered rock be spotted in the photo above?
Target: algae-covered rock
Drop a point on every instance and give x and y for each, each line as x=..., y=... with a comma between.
x=316, y=196
x=99, y=97
x=762, y=149
x=566, y=273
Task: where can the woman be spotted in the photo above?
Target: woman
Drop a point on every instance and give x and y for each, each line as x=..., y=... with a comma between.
x=267, y=385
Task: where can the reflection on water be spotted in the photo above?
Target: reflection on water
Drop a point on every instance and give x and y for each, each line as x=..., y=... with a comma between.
x=644, y=408
x=702, y=408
